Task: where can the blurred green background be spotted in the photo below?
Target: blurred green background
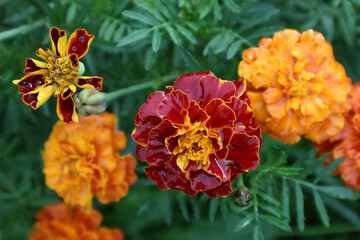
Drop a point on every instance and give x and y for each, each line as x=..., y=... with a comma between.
x=133, y=44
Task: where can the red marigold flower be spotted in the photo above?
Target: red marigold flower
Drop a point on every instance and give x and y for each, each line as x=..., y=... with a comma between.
x=58, y=75
x=198, y=136
x=347, y=144
x=296, y=87
x=59, y=222
x=82, y=160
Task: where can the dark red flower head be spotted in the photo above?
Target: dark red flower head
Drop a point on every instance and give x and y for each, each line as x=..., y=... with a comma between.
x=198, y=136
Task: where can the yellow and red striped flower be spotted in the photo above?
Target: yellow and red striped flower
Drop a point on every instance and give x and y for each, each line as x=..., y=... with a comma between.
x=58, y=75
x=198, y=136
x=347, y=144
x=59, y=222
x=296, y=87
x=81, y=160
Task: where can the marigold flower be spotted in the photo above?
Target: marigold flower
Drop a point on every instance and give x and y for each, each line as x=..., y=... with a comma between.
x=58, y=75
x=59, y=222
x=198, y=136
x=82, y=160
x=347, y=144
x=295, y=86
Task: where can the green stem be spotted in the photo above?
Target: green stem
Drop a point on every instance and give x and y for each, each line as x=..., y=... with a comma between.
x=125, y=91
x=320, y=230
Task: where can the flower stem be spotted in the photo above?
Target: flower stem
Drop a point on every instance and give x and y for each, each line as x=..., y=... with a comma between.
x=125, y=91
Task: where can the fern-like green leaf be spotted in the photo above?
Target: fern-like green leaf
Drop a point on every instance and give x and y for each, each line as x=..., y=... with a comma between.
x=299, y=198
x=133, y=37
x=243, y=223
x=321, y=209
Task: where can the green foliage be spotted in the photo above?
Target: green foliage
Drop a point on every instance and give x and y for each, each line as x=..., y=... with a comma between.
x=142, y=46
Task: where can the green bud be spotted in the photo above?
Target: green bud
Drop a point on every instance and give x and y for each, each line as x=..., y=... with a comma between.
x=81, y=69
x=241, y=197
x=89, y=102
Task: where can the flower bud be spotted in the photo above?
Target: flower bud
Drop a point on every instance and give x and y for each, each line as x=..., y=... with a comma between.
x=241, y=197
x=89, y=102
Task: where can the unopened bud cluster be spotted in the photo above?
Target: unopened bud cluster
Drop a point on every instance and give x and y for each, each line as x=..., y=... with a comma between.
x=89, y=102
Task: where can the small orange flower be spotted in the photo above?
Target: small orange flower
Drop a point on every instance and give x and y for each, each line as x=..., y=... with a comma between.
x=82, y=160
x=58, y=75
x=59, y=222
x=296, y=87
x=347, y=144
x=199, y=136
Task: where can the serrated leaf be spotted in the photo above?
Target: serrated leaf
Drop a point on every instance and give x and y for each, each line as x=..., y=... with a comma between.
x=339, y=192
x=156, y=40
x=286, y=171
x=270, y=199
x=326, y=172
x=205, y=11
x=150, y=57
x=183, y=208
x=273, y=210
x=150, y=9
x=285, y=198
x=110, y=30
x=243, y=223
x=276, y=222
x=190, y=61
x=232, y=6
x=192, y=25
x=224, y=43
x=173, y=34
x=345, y=211
x=162, y=8
x=224, y=210
x=118, y=33
x=214, y=205
x=259, y=18
x=186, y=33
x=321, y=209
x=214, y=42
x=258, y=235
x=133, y=37
x=234, y=48
x=103, y=27
x=167, y=209
x=139, y=17
x=195, y=207
x=217, y=11
x=299, y=197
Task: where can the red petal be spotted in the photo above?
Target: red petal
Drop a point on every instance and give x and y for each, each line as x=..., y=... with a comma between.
x=219, y=168
x=141, y=131
x=173, y=169
x=140, y=152
x=190, y=84
x=240, y=87
x=174, y=107
x=30, y=66
x=30, y=99
x=158, y=174
x=202, y=181
x=244, y=151
x=213, y=87
x=226, y=136
x=74, y=60
x=244, y=114
x=148, y=111
x=66, y=109
x=221, y=191
x=196, y=114
x=30, y=83
x=156, y=152
x=79, y=42
x=180, y=184
x=220, y=114
x=94, y=83
x=66, y=94
x=55, y=34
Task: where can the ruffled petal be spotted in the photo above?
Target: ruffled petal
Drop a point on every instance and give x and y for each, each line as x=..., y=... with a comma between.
x=65, y=110
x=58, y=41
x=148, y=111
x=220, y=114
x=30, y=99
x=141, y=131
x=33, y=66
x=196, y=114
x=159, y=175
x=219, y=168
x=190, y=84
x=175, y=182
x=221, y=191
x=214, y=87
x=79, y=42
x=226, y=136
x=202, y=181
x=243, y=111
x=174, y=107
x=30, y=83
x=94, y=83
x=140, y=152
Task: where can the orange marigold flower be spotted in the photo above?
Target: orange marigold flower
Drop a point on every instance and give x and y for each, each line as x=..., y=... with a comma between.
x=59, y=222
x=58, y=75
x=295, y=86
x=81, y=160
x=347, y=144
x=198, y=136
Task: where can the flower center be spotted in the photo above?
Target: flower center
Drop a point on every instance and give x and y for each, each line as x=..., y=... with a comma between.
x=299, y=84
x=195, y=145
x=62, y=72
